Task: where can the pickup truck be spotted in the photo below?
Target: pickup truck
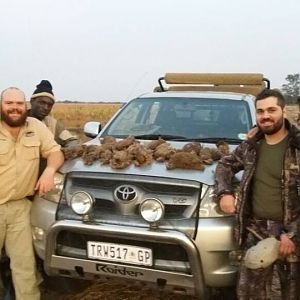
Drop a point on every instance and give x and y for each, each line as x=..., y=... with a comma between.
x=157, y=225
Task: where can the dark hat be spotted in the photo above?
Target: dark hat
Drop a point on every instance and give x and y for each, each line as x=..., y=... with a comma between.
x=44, y=88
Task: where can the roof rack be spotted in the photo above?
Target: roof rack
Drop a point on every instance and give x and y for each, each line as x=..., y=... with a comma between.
x=248, y=83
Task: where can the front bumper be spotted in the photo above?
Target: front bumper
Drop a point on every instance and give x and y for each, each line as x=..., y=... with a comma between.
x=186, y=282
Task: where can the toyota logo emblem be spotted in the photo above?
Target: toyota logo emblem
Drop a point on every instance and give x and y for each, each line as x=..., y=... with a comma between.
x=125, y=193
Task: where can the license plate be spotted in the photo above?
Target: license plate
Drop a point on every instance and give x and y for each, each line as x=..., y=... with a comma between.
x=120, y=253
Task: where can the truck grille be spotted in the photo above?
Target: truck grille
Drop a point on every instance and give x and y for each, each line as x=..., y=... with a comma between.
x=180, y=197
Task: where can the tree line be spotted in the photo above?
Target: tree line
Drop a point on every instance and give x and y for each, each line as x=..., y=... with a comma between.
x=291, y=89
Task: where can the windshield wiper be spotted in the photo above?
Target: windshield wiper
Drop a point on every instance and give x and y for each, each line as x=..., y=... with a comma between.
x=216, y=139
x=168, y=137
x=188, y=139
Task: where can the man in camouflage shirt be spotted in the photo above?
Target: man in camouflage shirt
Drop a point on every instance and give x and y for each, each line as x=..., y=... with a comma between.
x=267, y=202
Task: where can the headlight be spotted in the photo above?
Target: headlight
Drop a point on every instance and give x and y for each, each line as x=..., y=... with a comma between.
x=209, y=207
x=81, y=203
x=54, y=194
x=152, y=210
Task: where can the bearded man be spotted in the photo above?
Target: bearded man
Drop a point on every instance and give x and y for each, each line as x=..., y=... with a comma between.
x=267, y=202
x=23, y=140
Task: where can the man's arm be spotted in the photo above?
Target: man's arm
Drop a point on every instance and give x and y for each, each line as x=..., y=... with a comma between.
x=226, y=168
x=64, y=137
x=46, y=180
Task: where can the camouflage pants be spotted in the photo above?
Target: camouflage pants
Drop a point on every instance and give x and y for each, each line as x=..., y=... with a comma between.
x=278, y=281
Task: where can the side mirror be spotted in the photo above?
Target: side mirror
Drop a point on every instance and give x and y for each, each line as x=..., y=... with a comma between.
x=91, y=129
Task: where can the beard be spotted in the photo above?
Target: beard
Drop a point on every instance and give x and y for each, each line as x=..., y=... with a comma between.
x=14, y=122
x=271, y=129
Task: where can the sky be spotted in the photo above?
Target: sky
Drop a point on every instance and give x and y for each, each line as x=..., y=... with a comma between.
x=95, y=50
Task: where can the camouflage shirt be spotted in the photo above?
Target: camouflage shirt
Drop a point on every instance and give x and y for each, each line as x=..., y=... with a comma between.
x=244, y=158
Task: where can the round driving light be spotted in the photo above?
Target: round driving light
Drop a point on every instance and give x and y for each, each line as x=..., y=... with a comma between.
x=152, y=210
x=81, y=202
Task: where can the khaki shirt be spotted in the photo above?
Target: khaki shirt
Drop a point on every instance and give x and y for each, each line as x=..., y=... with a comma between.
x=19, y=159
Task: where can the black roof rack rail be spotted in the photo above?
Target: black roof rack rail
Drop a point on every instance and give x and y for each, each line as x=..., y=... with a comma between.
x=160, y=79
x=267, y=82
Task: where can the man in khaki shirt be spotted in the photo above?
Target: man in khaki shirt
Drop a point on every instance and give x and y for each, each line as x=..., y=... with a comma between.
x=22, y=141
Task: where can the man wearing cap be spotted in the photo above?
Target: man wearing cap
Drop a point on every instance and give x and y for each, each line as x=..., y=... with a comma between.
x=22, y=141
x=42, y=101
x=267, y=201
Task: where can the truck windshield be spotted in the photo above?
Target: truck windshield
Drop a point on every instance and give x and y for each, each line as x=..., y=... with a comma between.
x=190, y=118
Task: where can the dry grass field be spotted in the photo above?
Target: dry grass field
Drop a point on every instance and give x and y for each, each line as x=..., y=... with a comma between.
x=292, y=113
x=75, y=115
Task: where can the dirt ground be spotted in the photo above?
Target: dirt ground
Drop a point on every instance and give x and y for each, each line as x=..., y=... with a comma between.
x=109, y=289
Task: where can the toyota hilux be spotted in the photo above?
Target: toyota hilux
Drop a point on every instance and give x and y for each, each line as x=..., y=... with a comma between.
x=150, y=223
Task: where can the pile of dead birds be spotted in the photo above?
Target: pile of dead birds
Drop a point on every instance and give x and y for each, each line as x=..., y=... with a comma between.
x=120, y=154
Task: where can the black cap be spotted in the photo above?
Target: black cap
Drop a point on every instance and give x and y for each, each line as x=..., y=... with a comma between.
x=44, y=88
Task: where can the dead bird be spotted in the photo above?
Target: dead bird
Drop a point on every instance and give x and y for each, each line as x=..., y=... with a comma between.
x=185, y=160
x=163, y=152
x=125, y=143
x=154, y=144
x=223, y=147
x=141, y=156
x=120, y=159
x=192, y=147
x=73, y=152
x=90, y=154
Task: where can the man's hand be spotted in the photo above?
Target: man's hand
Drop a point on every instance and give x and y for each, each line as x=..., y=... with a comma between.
x=46, y=181
x=287, y=246
x=252, y=132
x=227, y=204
